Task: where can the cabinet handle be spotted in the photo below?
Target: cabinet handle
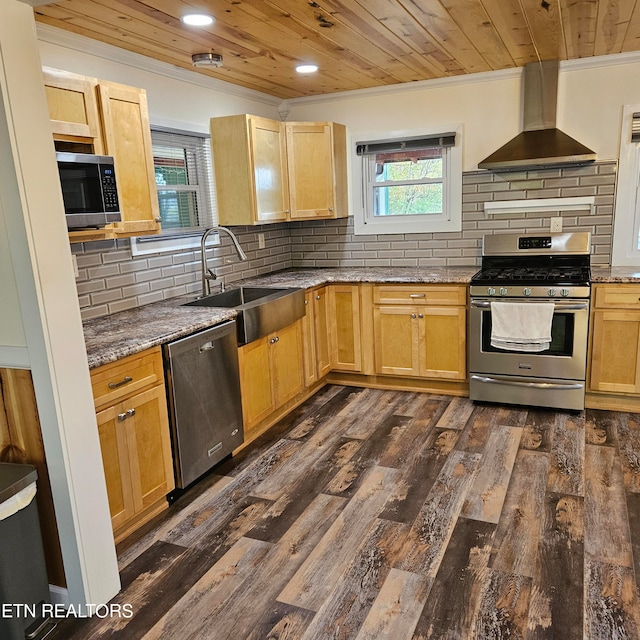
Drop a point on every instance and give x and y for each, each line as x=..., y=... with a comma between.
x=115, y=385
x=318, y=297
x=122, y=416
x=330, y=208
x=273, y=341
x=413, y=315
x=417, y=295
x=421, y=315
x=131, y=412
x=306, y=302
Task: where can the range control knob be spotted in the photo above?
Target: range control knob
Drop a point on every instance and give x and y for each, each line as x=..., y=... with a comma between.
x=551, y=292
x=564, y=292
x=526, y=291
x=503, y=291
x=491, y=291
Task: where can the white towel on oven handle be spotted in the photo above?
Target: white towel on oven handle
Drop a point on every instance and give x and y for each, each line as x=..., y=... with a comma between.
x=521, y=326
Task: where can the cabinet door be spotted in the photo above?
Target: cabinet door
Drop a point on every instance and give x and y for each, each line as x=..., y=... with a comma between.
x=615, y=351
x=287, y=362
x=148, y=441
x=309, y=341
x=344, y=325
x=268, y=155
x=442, y=342
x=396, y=339
x=127, y=137
x=73, y=107
x=311, y=170
x=115, y=459
x=321, y=323
x=255, y=383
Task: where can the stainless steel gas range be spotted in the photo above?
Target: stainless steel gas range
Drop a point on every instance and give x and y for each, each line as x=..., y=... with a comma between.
x=532, y=270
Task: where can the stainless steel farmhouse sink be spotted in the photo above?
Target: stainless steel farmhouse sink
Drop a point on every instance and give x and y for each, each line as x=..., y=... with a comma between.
x=261, y=310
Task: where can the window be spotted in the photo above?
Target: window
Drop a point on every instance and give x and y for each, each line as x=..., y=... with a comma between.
x=410, y=184
x=186, y=194
x=626, y=228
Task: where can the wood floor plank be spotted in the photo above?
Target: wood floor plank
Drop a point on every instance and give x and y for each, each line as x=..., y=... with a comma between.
x=419, y=474
x=611, y=607
x=515, y=548
x=257, y=595
x=366, y=412
x=396, y=610
x=317, y=577
x=607, y=537
x=486, y=497
x=430, y=533
x=628, y=433
x=344, y=611
x=558, y=587
x=457, y=414
x=449, y=611
x=633, y=511
x=538, y=430
x=600, y=427
x=348, y=479
x=566, y=469
x=189, y=617
x=283, y=622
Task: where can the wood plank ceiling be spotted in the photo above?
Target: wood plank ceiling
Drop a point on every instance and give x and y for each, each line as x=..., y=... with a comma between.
x=356, y=43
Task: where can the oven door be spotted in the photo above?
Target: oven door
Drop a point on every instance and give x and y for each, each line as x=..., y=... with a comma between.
x=566, y=358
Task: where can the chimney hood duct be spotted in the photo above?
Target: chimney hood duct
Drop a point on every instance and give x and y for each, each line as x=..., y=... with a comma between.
x=540, y=145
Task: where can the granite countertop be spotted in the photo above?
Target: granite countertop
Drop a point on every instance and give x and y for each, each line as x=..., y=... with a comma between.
x=121, y=334
x=618, y=275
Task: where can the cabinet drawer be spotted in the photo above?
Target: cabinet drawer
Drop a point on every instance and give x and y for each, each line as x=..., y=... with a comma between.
x=117, y=380
x=621, y=296
x=420, y=294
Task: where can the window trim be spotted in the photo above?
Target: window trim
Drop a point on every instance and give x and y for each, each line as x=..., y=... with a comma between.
x=450, y=221
x=626, y=227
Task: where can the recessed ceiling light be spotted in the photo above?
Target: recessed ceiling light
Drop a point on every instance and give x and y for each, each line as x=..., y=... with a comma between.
x=197, y=19
x=307, y=68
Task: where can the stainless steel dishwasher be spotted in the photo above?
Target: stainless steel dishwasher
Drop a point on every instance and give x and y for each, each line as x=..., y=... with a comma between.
x=203, y=387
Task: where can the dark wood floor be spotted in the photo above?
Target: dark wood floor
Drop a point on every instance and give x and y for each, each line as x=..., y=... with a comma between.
x=373, y=514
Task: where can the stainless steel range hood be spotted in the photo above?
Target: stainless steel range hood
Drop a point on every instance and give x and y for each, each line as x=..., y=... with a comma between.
x=541, y=144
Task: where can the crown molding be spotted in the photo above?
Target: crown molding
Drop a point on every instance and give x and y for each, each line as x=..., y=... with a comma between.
x=82, y=44
x=470, y=78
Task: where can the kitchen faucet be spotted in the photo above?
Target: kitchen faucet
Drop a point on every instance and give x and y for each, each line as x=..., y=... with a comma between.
x=208, y=274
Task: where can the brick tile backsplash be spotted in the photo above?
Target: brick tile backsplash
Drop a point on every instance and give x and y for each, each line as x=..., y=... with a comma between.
x=111, y=280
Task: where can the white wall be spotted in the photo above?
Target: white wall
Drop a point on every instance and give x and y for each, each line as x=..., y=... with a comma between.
x=591, y=95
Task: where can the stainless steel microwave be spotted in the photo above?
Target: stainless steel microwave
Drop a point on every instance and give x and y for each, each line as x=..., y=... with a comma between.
x=89, y=190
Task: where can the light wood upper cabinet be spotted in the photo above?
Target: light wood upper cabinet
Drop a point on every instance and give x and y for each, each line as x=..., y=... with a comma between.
x=73, y=107
x=270, y=171
x=420, y=331
x=94, y=116
x=615, y=340
x=133, y=425
x=317, y=158
x=127, y=137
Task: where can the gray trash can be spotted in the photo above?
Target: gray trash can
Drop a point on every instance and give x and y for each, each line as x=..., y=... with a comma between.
x=24, y=587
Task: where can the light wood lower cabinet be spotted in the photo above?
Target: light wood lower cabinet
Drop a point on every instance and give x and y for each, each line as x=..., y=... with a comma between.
x=133, y=425
x=271, y=374
x=344, y=328
x=420, y=340
x=615, y=340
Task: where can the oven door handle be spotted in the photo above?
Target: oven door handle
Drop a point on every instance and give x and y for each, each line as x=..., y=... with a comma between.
x=535, y=385
x=560, y=306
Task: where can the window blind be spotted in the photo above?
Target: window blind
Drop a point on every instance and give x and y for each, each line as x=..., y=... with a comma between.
x=184, y=180
x=635, y=128
x=405, y=144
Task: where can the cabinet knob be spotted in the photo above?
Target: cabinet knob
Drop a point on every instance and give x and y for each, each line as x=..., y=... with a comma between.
x=131, y=412
x=330, y=208
x=122, y=416
x=413, y=315
x=318, y=297
x=421, y=315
